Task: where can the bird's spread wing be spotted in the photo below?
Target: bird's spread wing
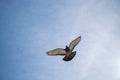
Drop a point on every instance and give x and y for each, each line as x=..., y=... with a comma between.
x=56, y=52
x=74, y=43
x=69, y=56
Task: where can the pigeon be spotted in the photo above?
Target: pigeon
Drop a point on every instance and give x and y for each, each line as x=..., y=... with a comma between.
x=67, y=52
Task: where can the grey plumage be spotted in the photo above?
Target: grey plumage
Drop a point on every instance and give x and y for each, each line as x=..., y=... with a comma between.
x=67, y=52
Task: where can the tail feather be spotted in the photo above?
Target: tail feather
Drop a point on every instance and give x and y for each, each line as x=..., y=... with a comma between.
x=69, y=57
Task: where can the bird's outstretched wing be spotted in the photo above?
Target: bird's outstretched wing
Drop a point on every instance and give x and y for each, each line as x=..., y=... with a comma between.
x=56, y=52
x=69, y=57
x=74, y=43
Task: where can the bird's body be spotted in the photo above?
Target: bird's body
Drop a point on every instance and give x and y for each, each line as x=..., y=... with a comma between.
x=67, y=52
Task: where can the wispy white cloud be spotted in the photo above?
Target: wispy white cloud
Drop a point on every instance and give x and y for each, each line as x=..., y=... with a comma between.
x=97, y=22
x=34, y=27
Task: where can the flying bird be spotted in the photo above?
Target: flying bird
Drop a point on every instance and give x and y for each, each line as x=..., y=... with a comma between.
x=67, y=52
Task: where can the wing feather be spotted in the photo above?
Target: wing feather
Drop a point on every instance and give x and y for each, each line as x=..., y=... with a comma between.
x=74, y=43
x=56, y=52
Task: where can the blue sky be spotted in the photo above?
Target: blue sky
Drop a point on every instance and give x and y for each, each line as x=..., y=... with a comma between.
x=30, y=28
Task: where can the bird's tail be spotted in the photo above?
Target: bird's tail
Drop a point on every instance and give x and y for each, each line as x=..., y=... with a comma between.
x=69, y=56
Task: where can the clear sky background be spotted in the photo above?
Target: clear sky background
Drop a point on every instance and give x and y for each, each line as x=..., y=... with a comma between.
x=30, y=28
